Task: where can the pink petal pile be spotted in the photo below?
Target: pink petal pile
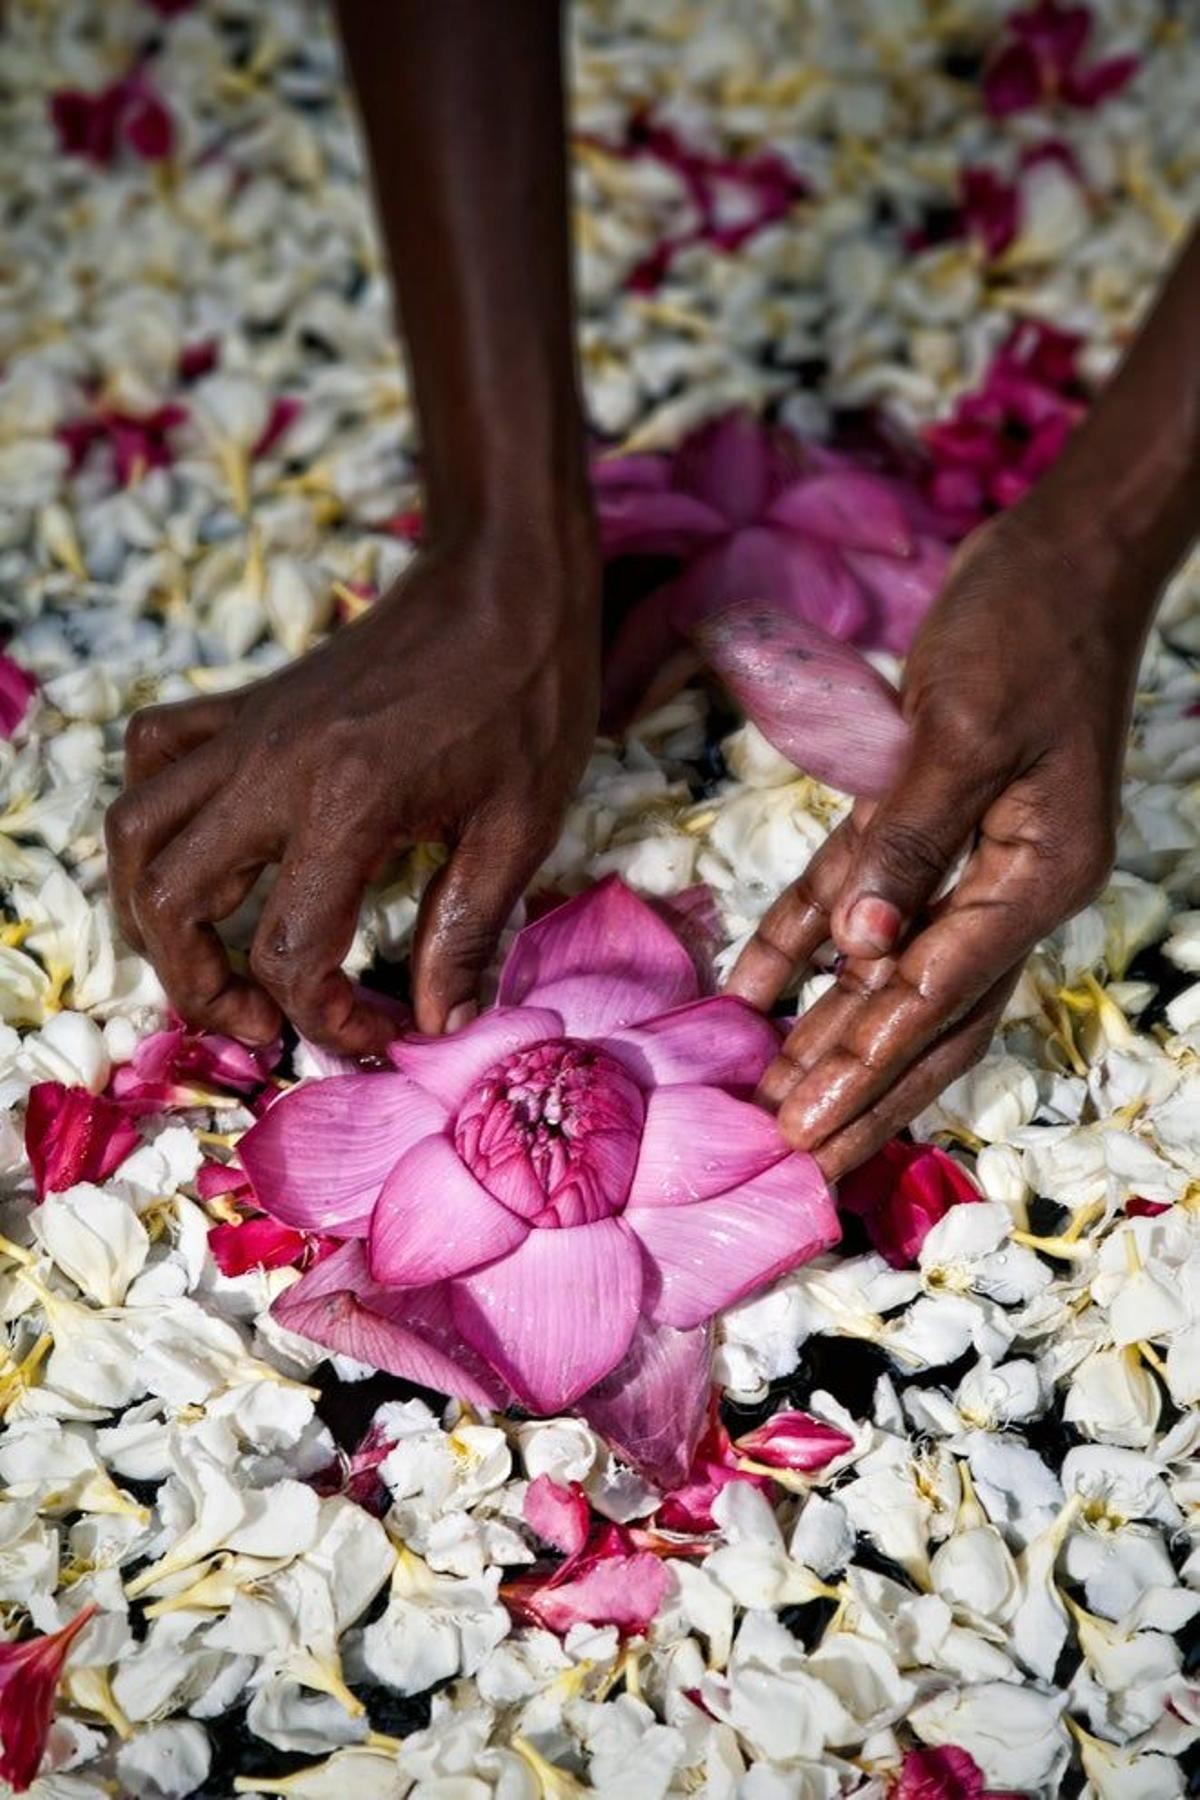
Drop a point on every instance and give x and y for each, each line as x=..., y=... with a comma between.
x=549, y=1207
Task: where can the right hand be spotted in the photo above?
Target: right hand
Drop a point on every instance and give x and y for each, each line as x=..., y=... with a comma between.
x=460, y=709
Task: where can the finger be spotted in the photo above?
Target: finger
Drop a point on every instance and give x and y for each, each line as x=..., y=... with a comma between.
x=158, y=736
x=204, y=874
x=795, y=926
x=1007, y=899
x=463, y=911
x=950, y=1057
x=141, y=822
x=909, y=846
x=305, y=932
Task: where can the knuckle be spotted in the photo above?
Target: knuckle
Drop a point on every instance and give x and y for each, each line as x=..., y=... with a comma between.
x=273, y=962
x=1090, y=864
x=122, y=824
x=147, y=734
x=155, y=900
x=907, y=854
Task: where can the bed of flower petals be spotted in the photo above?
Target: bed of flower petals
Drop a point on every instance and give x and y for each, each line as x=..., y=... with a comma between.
x=940, y=1538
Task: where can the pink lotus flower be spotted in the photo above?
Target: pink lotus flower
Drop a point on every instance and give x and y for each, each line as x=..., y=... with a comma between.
x=944, y=1773
x=71, y=1135
x=753, y=515
x=1040, y=61
x=1002, y=438
x=604, y=1578
x=17, y=688
x=900, y=1193
x=30, y=1672
x=179, y=1067
x=550, y=1205
x=129, y=112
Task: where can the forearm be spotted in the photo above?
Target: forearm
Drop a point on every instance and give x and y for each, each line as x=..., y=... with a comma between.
x=463, y=110
x=1132, y=471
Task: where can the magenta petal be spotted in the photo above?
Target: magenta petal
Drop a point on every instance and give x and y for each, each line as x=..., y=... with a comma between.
x=1088, y=87
x=651, y=1409
x=621, y=1589
x=796, y=1441
x=17, y=688
x=902, y=591
x=603, y=961
x=853, y=509
x=558, y=1314
x=733, y=464
x=818, y=701
x=559, y=1515
x=698, y=1142
x=767, y=563
x=433, y=1220
x=447, y=1067
x=647, y=473
x=711, y=1254
x=719, y=1041
x=641, y=522
x=318, y=1158
x=407, y=1332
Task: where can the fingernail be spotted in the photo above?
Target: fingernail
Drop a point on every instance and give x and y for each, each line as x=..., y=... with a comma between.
x=873, y=926
x=461, y=1015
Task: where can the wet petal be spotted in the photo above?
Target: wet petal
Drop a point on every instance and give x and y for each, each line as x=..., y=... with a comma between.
x=447, y=1067
x=711, y=1254
x=318, y=1158
x=603, y=961
x=434, y=1220
x=698, y=1142
x=720, y=1041
x=852, y=509
x=558, y=1314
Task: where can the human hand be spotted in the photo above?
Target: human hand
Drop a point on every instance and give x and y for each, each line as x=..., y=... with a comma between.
x=1017, y=692
x=461, y=708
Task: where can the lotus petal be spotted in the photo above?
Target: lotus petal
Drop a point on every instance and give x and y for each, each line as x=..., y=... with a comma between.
x=795, y=1441
x=643, y=522
x=734, y=464
x=558, y=1314
x=711, y=1254
x=697, y=1142
x=902, y=592
x=719, y=1041
x=71, y=1136
x=559, y=1515
x=652, y=1407
x=819, y=702
x=433, y=1220
x=318, y=1158
x=624, y=1588
x=448, y=1067
x=409, y=1333
x=767, y=563
x=851, y=509
x=603, y=961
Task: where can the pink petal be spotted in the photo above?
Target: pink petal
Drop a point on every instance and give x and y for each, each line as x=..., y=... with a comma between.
x=766, y=563
x=1088, y=87
x=943, y=1772
x=603, y=961
x=647, y=473
x=852, y=509
x=622, y=1590
x=448, y=1067
x=407, y=1332
x=17, y=688
x=732, y=464
x=698, y=1142
x=819, y=702
x=900, y=1193
x=1012, y=81
x=651, y=1409
x=648, y=661
x=434, y=1220
x=901, y=592
x=711, y=1254
x=318, y=1158
x=558, y=1314
x=719, y=1041
x=256, y=1244
x=559, y=1515
x=695, y=918
x=796, y=1441
x=641, y=522
x=71, y=1135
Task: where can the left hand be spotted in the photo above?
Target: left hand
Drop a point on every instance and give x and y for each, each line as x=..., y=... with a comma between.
x=1017, y=692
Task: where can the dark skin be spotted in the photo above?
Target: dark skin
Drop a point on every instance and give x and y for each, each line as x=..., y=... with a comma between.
x=462, y=708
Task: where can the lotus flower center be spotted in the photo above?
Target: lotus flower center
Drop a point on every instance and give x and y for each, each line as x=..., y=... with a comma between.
x=553, y=1132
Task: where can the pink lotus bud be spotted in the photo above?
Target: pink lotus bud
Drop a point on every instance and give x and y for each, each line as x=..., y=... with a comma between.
x=29, y=1675
x=795, y=1441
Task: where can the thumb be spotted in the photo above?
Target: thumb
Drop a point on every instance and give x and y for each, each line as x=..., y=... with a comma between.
x=908, y=847
x=463, y=911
